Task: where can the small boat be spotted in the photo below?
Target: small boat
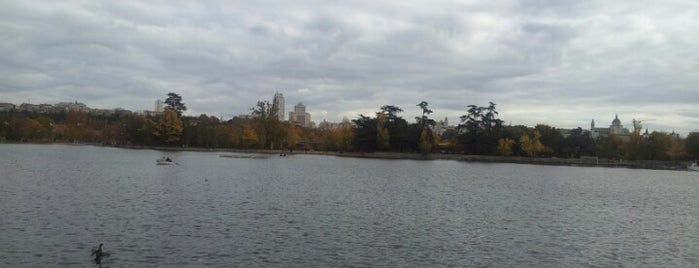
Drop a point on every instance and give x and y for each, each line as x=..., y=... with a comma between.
x=165, y=161
x=694, y=166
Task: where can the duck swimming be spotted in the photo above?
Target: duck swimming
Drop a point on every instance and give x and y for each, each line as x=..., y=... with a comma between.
x=99, y=254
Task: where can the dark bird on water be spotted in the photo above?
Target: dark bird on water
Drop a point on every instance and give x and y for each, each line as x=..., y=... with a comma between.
x=99, y=254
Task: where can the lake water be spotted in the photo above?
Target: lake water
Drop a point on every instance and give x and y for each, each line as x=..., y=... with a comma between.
x=59, y=201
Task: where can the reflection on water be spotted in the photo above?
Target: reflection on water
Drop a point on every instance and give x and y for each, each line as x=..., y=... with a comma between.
x=57, y=202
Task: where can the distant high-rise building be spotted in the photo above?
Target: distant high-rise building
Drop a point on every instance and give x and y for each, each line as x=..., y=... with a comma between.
x=278, y=102
x=158, y=106
x=299, y=116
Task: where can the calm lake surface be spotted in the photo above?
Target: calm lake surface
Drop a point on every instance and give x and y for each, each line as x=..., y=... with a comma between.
x=59, y=201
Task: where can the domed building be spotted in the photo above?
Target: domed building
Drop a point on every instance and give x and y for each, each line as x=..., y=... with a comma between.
x=616, y=128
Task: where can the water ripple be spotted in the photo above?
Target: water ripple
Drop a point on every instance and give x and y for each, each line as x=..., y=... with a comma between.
x=58, y=202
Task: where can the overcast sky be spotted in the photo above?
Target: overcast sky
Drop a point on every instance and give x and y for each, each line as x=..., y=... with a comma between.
x=560, y=62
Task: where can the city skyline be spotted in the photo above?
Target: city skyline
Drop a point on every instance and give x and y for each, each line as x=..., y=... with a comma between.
x=560, y=64
x=616, y=125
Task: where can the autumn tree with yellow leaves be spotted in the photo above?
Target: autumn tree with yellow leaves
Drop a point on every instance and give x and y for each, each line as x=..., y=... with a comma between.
x=169, y=127
x=425, y=145
x=250, y=137
x=292, y=136
x=382, y=135
x=505, y=146
x=531, y=145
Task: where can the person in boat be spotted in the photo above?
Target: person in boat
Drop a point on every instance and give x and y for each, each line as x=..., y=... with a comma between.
x=168, y=159
x=99, y=254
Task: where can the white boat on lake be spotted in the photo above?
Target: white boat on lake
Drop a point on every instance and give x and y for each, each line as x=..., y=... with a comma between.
x=694, y=166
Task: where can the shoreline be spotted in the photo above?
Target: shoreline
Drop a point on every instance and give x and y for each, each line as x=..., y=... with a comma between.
x=581, y=162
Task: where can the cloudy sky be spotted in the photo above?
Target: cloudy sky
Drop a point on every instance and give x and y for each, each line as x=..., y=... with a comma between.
x=561, y=62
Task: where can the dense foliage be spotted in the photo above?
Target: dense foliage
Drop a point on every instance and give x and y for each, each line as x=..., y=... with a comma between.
x=480, y=132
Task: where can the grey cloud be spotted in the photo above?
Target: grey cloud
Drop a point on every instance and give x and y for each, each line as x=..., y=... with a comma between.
x=222, y=56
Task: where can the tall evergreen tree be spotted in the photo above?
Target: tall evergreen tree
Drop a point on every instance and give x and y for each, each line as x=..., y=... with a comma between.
x=174, y=102
x=365, y=134
x=480, y=130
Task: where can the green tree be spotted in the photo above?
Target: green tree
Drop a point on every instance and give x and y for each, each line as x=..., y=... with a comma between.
x=427, y=138
x=611, y=147
x=658, y=145
x=391, y=112
x=676, y=149
x=174, y=102
x=365, y=133
x=577, y=144
x=636, y=146
x=139, y=130
x=203, y=131
x=423, y=120
x=270, y=130
x=551, y=138
x=490, y=120
x=691, y=144
x=480, y=130
x=344, y=139
x=265, y=110
x=401, y=137
x=236, y=129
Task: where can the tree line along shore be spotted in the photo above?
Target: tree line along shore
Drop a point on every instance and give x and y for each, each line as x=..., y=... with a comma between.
x=480, y=136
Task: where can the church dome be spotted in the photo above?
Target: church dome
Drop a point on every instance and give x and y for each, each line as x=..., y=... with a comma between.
x=616, y=121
